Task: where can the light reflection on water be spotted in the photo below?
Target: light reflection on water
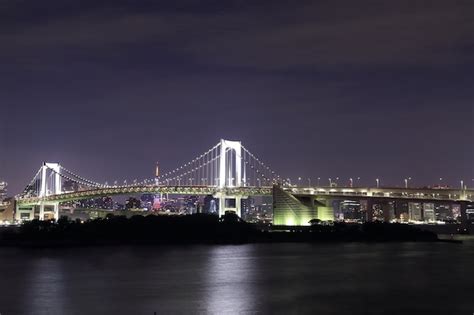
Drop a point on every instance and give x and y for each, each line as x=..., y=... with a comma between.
x=46, y=286
x=247, y=279
x=229, y=279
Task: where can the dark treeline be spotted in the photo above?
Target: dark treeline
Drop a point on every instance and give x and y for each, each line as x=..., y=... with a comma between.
x=199, y=228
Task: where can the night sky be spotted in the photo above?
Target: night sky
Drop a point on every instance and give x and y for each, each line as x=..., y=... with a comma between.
x=315, y=88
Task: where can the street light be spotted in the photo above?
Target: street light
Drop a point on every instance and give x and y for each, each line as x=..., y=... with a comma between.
x=319, y=178
x=330, y=182
x=299, y=181
x=309, y=182
x=378, y=182
x=406, y=181
x=351, y=182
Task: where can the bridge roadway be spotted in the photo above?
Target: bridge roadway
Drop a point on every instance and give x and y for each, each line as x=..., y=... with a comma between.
x=409, y=194
x=142, y=189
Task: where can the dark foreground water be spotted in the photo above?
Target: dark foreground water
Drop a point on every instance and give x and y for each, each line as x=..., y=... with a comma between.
x=410, y=278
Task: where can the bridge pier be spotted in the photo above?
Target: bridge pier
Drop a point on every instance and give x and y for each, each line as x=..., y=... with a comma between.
x=229, y=203
x=24, y=213
x=36, y=211
x=53, y=207
x=41, y=212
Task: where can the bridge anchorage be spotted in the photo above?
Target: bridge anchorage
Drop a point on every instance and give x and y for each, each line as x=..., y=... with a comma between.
x=228, y=171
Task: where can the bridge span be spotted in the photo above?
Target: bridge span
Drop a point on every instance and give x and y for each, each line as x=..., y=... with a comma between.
x=227, y=171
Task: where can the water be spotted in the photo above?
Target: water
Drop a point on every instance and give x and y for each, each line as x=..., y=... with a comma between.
x=248, y=279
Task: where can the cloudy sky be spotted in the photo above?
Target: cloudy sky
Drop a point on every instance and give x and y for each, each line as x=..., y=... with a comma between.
x=336, y=88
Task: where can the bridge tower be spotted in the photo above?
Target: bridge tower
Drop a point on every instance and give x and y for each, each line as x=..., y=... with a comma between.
x=231, y=175
x=49, y=183
x=230, y=164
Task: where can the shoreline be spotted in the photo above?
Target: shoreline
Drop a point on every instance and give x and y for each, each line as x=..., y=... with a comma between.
x=202, y=229
x=289, y=237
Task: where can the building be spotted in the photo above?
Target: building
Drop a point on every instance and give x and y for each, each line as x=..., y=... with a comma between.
x=415, y=211
x=132, y=203
x=293, y=210
x=3, y=190
x=401, y=211
x=429, y=212
x=349, y=211
x=210, y=204
x=443, y=212
x=7, y=210
x=7, y=205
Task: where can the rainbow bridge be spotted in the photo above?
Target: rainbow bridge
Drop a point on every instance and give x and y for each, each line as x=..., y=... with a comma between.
x=229, y=172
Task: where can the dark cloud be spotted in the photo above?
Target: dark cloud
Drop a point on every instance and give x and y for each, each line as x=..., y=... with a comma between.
x=327, y=88
x=286, y=36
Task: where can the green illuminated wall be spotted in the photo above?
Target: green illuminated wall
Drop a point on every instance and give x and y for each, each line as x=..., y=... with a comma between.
x=289, y=210
x=325, y=213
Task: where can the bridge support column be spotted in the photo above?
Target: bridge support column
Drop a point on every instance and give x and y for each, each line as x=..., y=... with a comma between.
x=230, y=203
x=49, y=208
x=41, y=212
x=56, y=211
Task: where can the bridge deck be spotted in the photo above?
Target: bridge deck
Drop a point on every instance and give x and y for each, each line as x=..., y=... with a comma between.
x=425, y=194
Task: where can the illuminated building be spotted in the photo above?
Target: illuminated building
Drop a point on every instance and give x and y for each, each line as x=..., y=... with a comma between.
x=429, y=212
x=132, y=203
x=415, y=211
x=470, y=212
x=210, y=204
x=290, y=210
x=401, y=211
x=443, y=212
x=3, y=190
x=377, y=212
x=349, y=210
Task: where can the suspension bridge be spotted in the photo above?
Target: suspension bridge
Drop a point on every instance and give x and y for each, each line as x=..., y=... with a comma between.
x=230, y=173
